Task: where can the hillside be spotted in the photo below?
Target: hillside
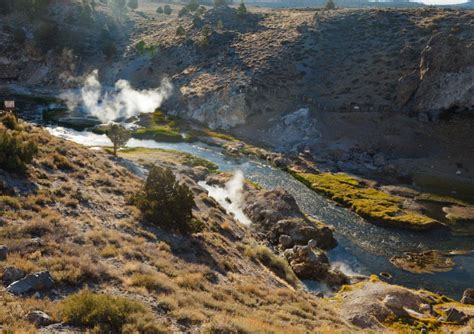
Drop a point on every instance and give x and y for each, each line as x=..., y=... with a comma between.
x=69, y=217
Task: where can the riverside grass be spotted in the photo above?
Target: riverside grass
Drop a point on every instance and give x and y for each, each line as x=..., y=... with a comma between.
x=372, y=204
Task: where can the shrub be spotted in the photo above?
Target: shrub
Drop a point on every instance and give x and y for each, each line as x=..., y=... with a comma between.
x=167, y=10
x=180, y=31
x=109, y=314
x=15, y=151
x=218, y=3
x=220, y=25
x=9, y=120
x=159, y=10
x=242, y=10
x=273, y=262
x=193, y=6
x=330, y=5
x=165, y=202
x=183, y=11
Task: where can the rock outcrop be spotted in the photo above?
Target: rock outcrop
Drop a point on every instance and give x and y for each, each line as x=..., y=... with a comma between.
x=443, y=80
x=312, y=263
x=468, y=297
x=33, y=282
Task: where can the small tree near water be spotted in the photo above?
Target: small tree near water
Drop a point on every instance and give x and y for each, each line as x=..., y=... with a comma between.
x=118, y=135
x=242, y=10
x=165, y=202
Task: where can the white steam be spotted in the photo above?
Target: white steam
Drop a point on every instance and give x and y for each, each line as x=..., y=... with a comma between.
x=121, y=102
x=230, y=197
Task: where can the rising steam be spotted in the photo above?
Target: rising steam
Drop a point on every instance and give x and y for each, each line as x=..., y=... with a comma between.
x=121, y=102
x=230, y=197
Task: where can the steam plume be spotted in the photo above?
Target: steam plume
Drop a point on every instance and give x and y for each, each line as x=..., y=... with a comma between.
x=230, y=197
x=123, y=101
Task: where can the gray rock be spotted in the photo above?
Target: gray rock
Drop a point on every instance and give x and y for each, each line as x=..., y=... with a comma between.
x=468, y=296
x=3, y=252
x=12, y=274
x=456, y=316
x=285, y=240
x=39, y=318
x=32, y=282
x=313, y=243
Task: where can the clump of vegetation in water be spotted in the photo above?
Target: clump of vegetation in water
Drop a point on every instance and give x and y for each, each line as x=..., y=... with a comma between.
x=165, y=202
x=159, y=128
x=370, y=203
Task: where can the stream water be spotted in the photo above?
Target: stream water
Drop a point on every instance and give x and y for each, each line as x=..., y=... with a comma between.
x=362, y=247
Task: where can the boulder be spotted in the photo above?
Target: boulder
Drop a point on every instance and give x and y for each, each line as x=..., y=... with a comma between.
x=285, y=241
x=3, y=252
x=33, y=282
x=312, y=263
x=302, y=231
x=455, y=315
x=468, y=297
x=39, y=318
x=12, y=274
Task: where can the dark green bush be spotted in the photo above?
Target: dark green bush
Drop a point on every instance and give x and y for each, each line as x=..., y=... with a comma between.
x=330, y=5
x=15, y=151
x=165, y=202
x=167, y=10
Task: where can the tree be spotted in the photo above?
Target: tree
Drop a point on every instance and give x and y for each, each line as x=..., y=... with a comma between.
x=193, y=5
x=330, y=5
x=183, y=11
x=133, y=4
x=159, y=10
x=167, y=10
x=118, y=135
x=242, y=10
x=219, y=25
x=165, y=202
x=180, y=31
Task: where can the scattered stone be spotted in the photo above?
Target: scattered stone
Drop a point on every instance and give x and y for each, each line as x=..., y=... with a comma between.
x=12, y=274
x=468, y=297
x=32, y=282
x=39, y=318
x=3, y=252
x=313, y=243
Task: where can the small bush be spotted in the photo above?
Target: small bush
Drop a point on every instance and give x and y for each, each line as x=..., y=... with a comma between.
x=242, y=10
x=275, y=263
x=9, y=120
x=330, y=5
x=167, y=10
x=159, y=10
x=180, y=31
x=183, y=11
x=165, y=202
x=15, y=151
x=109, y=314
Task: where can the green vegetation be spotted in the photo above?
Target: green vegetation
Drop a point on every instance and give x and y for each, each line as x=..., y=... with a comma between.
x=180, y=31
x=16, y=151
x=242, y=10
x=276, y=264
x=160, y=133
x=167, y=10
x=109, y=314
x=165, y=202
x=330, y=5
x=159, y=10
x=370, y=203
x=118, y=135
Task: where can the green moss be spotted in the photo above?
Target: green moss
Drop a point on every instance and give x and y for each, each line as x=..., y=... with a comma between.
x=159, y=133
x=373, y=204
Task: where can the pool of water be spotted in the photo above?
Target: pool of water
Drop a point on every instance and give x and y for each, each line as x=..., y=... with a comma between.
x=362, y=247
